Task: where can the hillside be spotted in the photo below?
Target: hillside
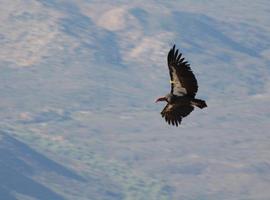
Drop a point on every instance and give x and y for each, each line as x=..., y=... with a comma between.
x=78, y=82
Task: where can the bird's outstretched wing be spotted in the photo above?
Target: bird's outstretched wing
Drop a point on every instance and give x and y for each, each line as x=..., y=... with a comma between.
x=183, y=81
x=173, y=113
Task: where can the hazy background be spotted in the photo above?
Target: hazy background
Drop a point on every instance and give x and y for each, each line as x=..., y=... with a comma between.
x=77, y=84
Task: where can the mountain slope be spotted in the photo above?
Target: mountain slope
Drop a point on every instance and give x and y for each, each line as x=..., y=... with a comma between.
x=78, y=81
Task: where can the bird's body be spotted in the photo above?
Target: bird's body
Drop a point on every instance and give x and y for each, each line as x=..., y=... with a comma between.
x=181, y=100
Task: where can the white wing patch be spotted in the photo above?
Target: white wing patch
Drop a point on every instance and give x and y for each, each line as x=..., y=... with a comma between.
x=178, y=89
x=170, y=107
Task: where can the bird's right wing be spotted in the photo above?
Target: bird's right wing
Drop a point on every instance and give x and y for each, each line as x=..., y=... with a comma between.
x=173, y=113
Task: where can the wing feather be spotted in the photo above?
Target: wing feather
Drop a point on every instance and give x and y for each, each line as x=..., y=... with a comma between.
x=178, y=58
x=183, y=81
x=173, y=113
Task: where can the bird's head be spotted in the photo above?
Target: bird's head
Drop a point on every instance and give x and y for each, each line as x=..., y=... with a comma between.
x=161, y=99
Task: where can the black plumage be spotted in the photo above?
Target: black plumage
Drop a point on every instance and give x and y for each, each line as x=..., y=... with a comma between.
x=181, y=100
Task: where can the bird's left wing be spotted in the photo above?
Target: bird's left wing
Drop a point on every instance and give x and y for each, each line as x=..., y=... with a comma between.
x=183, y=81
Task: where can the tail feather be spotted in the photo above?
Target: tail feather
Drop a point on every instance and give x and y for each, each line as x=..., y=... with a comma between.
x=199, y=103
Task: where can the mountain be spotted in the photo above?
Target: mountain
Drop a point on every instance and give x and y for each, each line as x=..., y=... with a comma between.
x=78, y=82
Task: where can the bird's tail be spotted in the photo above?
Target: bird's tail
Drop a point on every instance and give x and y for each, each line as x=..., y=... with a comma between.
x=199, y=103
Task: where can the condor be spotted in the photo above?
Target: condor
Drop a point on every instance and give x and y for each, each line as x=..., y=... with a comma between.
x=181, y=100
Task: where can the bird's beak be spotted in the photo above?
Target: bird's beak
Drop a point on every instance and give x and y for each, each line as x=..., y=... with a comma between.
x=160, y=99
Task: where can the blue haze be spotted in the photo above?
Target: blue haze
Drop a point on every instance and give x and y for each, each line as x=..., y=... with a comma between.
x=78, y=80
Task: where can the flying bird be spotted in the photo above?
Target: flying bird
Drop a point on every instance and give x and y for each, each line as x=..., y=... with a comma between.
x=181, y=100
